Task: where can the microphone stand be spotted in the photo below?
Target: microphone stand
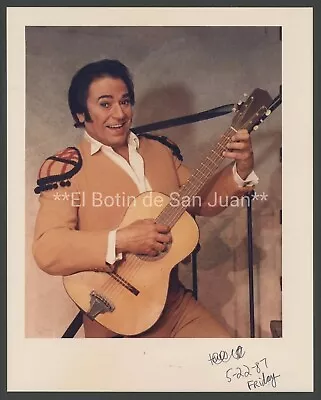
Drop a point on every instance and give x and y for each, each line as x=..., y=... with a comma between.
x=275, y=103
x=249, y=196
x=186, y=119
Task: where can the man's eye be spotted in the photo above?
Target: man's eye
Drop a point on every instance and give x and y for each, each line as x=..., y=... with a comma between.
x=125, y=102
x=105, y=105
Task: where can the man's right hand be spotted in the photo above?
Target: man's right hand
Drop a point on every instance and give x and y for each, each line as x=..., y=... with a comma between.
x=143, y=237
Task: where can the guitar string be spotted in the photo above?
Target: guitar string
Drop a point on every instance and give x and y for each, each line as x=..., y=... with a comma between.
x=208, y=164
x=207, y=175
x=134, y=263
x=169, y=215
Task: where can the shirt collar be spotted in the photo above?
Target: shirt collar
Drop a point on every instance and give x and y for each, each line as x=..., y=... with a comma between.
x=95, y=145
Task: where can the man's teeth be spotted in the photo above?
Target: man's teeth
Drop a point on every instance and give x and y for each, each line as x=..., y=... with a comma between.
x=115, y=126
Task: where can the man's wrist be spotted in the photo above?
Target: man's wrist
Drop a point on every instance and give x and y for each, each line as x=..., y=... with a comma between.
x=112, y=254
x=246, y=178
x=242, y=175
x=119, y=246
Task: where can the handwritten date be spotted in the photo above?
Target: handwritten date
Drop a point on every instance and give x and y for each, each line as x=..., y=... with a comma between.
x=245, y=371
x=262, y=381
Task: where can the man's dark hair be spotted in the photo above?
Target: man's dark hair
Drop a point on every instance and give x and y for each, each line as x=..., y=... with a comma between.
x=78, y=90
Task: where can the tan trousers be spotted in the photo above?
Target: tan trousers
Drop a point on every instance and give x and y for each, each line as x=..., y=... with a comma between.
x=184, y=318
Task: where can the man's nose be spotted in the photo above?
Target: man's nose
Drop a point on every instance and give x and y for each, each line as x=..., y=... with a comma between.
x=118, y=111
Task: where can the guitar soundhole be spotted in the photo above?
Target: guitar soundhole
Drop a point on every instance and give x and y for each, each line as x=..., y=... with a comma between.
x=155, y=258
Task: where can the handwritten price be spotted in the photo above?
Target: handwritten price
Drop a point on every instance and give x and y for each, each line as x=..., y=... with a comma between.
x=224, y=357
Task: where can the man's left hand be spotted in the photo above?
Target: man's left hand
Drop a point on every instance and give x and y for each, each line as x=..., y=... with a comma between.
x=240, y=150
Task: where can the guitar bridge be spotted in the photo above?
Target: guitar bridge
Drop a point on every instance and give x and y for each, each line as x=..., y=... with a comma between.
x=99, y=305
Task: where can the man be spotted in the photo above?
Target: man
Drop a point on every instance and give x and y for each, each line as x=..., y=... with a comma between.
x=77, y=229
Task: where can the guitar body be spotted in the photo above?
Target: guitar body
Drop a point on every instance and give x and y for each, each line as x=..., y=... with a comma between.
x=134, y=295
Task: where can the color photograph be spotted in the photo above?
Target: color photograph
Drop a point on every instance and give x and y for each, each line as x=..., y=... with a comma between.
x=158, y=194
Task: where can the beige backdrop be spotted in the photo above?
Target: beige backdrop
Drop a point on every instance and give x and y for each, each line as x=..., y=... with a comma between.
x=177, y=71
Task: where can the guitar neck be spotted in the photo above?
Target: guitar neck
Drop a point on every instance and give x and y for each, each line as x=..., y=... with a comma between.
x=196, y=182
x=248, y=116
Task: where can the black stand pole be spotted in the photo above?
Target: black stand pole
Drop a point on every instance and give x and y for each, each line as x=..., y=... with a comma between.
x=186, y=119
x=74, y=327
x=250, y=262
x=194, y=272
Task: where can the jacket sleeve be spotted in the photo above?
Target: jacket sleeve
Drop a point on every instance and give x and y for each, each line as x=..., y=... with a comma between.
x=59, y=248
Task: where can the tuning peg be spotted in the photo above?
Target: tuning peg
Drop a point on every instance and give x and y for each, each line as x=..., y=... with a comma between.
x=267, y=112
x=245, y=94
x=240, y=102
x=255, y=127
x=234, y=109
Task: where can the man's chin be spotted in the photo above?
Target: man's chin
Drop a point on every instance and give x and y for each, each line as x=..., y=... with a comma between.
x=117, y=140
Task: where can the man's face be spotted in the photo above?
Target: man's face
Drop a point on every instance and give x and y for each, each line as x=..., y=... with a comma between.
x=110, y=111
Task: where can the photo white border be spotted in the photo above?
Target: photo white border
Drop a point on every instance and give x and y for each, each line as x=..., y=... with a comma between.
x=171, y=364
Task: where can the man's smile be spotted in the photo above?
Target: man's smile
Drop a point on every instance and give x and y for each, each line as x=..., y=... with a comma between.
x=116, y=126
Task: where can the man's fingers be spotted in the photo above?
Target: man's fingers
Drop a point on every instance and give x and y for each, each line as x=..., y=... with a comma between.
x=238, y=145
x=152, y=253
x=159, y=247
x=164, y=238
x=161, y=228
x=241, y=135
x=235, y=155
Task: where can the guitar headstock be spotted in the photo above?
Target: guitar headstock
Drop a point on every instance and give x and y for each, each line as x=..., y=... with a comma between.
x=251, y=112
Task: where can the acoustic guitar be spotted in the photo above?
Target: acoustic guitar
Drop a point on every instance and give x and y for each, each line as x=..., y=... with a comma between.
x=130, y=298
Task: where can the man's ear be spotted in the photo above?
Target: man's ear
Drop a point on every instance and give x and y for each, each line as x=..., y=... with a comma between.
x=81, y=117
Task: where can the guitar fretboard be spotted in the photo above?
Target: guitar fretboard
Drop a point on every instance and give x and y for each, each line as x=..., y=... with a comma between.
x=198, y=179
x=250, y=113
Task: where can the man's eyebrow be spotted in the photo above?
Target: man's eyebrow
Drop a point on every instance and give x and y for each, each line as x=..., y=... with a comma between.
x=109, y=96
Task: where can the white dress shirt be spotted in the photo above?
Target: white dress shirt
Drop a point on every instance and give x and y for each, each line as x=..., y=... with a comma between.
x=136, y=170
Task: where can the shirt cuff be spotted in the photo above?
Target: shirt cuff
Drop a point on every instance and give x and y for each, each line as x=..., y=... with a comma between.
x=251, y=180
x=111, y=256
